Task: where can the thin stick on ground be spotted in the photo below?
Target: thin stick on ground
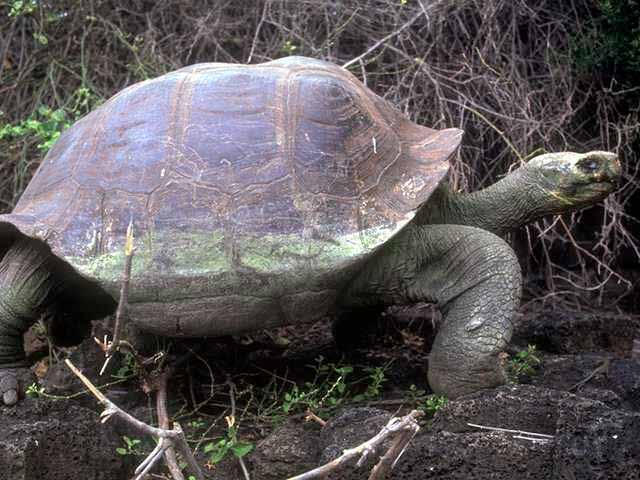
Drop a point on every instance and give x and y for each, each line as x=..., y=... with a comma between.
x=163, y=422
x=531, y=436
x=166, y=438
x=309, y=416
x=232, y=400
x=403, y=429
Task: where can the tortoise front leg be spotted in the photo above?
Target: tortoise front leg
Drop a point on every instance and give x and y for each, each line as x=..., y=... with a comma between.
x=474, y=278
x=27, y=289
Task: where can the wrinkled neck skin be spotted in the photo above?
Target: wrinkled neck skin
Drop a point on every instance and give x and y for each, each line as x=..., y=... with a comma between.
x=520, y=198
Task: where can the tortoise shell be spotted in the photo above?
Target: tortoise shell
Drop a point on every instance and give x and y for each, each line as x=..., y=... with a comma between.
x=255, y=192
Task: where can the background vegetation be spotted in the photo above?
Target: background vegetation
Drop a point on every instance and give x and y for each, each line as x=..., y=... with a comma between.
x=519, y=76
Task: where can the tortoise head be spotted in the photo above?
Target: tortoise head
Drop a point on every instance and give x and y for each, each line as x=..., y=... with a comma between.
x=575, y=180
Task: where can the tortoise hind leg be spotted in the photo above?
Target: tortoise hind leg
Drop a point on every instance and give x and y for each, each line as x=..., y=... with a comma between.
x=474, y=278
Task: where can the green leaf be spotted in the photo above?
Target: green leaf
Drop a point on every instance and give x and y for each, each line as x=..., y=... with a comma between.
x=219, y=454
x=240, y=449
x=41, y=38
x=209, y=447
x=122, y=451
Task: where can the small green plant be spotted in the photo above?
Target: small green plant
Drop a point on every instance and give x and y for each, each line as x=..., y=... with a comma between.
x=132, y=447
x=376, y=378
x=432, y=403
x=416, y=395
x=523, y=364
x=610, y=42
x=22, y=7
x=34, y=391
x=332, y=386
x=45, y=125
x=197, y=423
x=326, y=391
x=229, y=444
x=289, y=47
x=127, y=367
x=41, y=38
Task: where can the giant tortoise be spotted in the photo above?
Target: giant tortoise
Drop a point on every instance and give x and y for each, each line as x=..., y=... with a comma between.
x=273, y=194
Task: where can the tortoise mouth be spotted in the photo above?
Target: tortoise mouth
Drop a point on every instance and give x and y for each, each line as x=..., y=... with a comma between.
x=587, y=194
x=604, y=183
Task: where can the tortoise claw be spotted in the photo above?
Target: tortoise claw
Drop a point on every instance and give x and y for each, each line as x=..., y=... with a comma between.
x=13, y=381
x=9, y=387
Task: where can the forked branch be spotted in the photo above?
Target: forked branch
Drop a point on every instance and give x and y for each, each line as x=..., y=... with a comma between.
x=167, y=438
x=402, y=429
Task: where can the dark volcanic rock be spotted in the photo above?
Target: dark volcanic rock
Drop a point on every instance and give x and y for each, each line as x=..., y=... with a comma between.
x=290, y=449
x=618, y=385
x=44, y=440
x=596, y=442
x=590, y=439
x=474, y=455
x=517, y=407
x=350, y=428
x=558, y=331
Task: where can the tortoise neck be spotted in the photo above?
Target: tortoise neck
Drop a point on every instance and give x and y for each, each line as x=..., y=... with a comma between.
x=27, y=289
x=500, y=208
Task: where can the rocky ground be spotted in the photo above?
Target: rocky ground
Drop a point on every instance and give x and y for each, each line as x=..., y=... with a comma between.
x=585, y=395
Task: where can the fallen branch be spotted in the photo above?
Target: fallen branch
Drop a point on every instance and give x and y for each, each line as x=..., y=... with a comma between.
x=309, y=416
x=163, y=422
x=521, y=434
x=403, y=429
x=601, y=369
x=167, y=439
x=389, y=459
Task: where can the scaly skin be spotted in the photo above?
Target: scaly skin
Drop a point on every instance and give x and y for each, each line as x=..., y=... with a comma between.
x=449, y=256
x=29, y=288
x=472, y=275
x=548, y=184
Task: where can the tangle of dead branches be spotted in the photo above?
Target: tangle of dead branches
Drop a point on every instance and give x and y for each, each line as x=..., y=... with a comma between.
x=502, y=70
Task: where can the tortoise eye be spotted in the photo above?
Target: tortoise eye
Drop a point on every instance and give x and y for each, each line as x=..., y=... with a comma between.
x=589, y=165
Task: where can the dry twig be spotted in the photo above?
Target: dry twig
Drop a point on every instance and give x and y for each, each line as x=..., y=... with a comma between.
x=163, y=422
x=403, y=429
x=521, y=434
x=123, y=302
x=167, y=439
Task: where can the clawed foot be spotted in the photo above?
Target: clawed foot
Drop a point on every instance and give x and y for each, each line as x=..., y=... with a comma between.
x=13, y=382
